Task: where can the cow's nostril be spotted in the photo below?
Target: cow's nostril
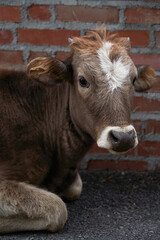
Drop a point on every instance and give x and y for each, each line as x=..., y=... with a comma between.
x=120, y=136
x=122, y=141
x=114, y=136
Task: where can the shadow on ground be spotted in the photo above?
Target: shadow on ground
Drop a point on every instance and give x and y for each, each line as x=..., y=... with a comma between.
x=113, y=206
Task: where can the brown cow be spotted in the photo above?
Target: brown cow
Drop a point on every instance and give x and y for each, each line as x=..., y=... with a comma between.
x=45, y=131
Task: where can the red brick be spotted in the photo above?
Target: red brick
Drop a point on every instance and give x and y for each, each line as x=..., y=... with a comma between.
x=10, y=13
x=156, y=85
x=62, y=55
x=153, y=126
x=10, y=58
x=87, y=14
x=147, y=59
x=118, y=165
x=138, y=38
x=141, y=104
x=142, y=15
x=39, y=12
x=33, y=55
x=6, y=37
x=138, y=126
x=149, y=148
x=157, y=39
x=46, y=37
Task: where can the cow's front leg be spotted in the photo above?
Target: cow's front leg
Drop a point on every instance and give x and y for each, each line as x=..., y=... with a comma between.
x=73, y=192
x=24, y=207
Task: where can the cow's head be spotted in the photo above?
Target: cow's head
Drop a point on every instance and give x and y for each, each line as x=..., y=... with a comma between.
x=102, y=87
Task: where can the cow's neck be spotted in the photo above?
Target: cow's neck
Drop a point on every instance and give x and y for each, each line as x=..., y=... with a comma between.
x=71, y=142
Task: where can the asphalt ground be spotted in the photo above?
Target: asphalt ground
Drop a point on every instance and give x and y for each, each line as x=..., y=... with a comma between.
x=113, y=206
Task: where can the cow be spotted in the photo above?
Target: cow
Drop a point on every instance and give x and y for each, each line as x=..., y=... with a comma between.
x=51, y=114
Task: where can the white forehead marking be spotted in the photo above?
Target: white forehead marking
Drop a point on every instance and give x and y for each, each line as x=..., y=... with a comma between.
x=115, y=71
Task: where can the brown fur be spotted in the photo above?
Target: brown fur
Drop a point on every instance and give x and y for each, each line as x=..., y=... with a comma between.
x=44, y=69
x=146, y=78
x=94, y=40
x=44, y=132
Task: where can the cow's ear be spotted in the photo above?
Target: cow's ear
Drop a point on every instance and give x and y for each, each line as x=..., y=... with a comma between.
x=47, y=70
x=145, y=79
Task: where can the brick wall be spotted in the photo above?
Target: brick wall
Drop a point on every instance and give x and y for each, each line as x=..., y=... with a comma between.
x=39, y=28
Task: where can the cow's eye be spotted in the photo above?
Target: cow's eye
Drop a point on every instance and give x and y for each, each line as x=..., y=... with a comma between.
x=134, y=80
x=83, y=82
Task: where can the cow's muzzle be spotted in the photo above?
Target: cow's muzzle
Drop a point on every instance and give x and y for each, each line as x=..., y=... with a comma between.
x=118, y=139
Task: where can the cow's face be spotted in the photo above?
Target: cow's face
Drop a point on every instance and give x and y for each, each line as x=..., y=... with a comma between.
x=105, y=81
x=102, y=88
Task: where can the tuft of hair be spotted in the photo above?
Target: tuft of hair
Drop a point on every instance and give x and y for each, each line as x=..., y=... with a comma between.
x=92, y=41
x=146, y=78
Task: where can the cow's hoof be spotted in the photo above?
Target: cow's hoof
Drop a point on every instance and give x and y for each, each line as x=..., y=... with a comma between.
x=58, y=217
